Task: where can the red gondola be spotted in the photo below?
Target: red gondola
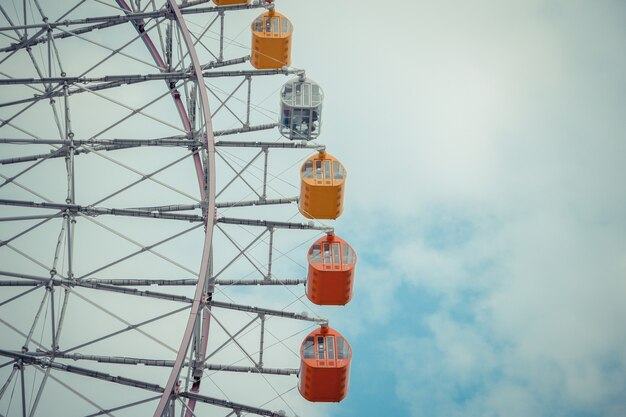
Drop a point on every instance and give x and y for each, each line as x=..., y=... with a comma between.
x=325, y=367
x=330, y=279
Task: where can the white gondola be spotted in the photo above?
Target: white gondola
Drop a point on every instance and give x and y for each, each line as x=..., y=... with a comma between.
x=301, y=109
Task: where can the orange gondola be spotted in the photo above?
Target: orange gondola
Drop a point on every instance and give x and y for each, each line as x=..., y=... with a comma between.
x=271, y=41
x=331, y=271
x=229, y=2
x=325, y=367
x=321, y=189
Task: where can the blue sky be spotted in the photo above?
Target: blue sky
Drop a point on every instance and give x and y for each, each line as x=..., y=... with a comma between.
x=485, y=143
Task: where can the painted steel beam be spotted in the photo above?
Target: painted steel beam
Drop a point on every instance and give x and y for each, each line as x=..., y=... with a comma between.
x=97, y=211
x=273, y=224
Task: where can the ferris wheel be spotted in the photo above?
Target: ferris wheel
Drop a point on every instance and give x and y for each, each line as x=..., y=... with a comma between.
x=166, y=230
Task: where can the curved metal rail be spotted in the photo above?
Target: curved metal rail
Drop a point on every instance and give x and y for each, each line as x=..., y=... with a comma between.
x=207, y=192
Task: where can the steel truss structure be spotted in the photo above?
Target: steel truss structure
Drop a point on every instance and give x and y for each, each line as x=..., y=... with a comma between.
x=109, y=187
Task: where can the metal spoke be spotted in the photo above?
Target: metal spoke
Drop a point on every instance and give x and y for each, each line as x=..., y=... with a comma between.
x=54, y=281
x=150, y=176
x=120, y=360
x=274, y=281
x=165, y=141
x=268, y=311
x=133, y=110
x=122, y=407
x=8, y=381
x=37, y=285
x=97, y=283
x=35, y=321
x=244, y=129
x=143, y=249
x=98, y=211
x=20, y=218
x=274, y=224
x=16, y=330
x=118, y=19
x=82, y=371
x=129, y=328
x=30, y=258
x=72, y=390
x=288, y=145
x=116, y=51
x=229, y=404
x=43, y=158
x=136, y=282
x=180, y=140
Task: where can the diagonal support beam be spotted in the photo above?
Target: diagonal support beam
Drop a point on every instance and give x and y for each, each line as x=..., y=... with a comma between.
x=241, y=252
x=238, y=174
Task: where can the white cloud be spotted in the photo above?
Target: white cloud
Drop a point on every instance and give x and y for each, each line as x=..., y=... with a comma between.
x=515, y=129
x=546, y=327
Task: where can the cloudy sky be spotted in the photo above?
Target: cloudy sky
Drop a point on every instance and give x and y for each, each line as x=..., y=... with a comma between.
x=486, y=146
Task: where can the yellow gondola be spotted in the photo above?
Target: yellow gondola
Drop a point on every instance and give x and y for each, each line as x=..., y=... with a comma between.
x=271, y=41
x=322, y=187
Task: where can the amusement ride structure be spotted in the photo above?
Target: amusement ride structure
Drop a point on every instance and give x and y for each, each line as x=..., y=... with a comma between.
x=153, y=229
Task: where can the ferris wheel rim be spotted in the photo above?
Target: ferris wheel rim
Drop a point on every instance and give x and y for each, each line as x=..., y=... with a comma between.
x=209, y=198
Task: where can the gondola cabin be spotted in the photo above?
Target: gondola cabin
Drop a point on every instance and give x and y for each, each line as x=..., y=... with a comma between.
x=271, y=41
x=330, y=279
x=325, y=367
x=322, y=187
x=300, y=109
x=229, y=2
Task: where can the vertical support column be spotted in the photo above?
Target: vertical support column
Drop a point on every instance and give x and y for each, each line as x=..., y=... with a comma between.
x=21, y=365
x=248, y=104
x=221, y=57
x=25, y=21
x=197, y=342
x=32, y=329
x=168, y=45
x=50, y=286
x=271, y=252
x=191, y=111
x=49, y=44
x=69, y=164
x=66, y=293
x=262, y=339
x=266, y=151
